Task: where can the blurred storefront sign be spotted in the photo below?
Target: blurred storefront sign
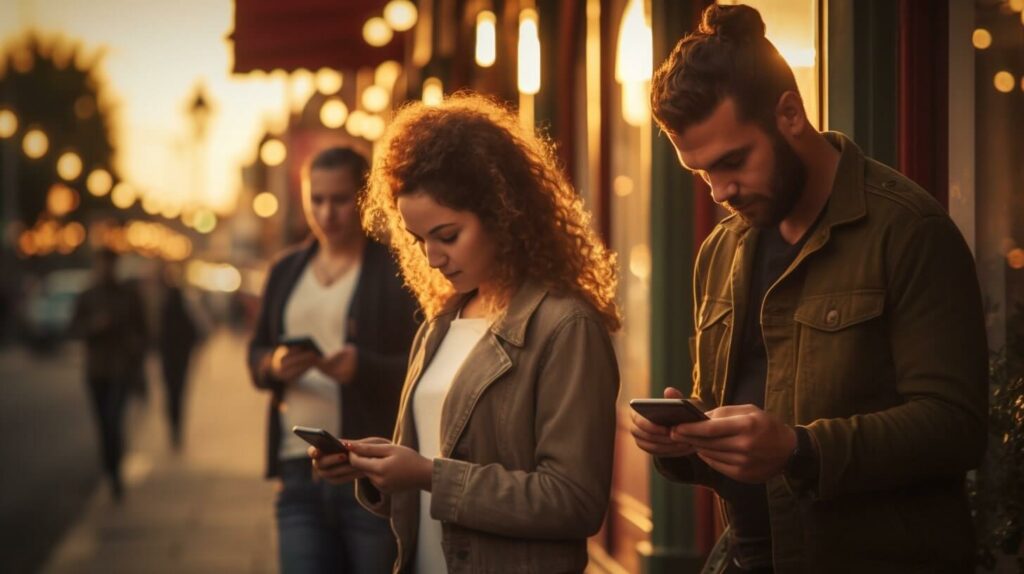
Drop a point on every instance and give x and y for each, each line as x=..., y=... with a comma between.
x=310, y=34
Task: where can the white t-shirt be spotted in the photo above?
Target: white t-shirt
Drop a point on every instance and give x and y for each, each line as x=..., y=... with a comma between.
x=321, y=312
x=427, y=401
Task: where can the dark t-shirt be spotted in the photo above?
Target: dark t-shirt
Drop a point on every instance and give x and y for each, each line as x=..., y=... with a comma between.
x=747, y=504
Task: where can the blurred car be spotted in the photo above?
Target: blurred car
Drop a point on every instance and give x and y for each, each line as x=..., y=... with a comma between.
x=50, y=305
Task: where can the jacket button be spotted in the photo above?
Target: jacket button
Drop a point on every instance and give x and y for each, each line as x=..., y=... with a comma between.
x=832, y=318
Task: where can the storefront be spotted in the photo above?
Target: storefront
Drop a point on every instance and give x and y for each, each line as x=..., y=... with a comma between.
x=937, y=93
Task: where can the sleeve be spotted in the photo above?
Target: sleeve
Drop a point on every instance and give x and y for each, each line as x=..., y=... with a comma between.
x=938, y=345
x=372, y=499
x=566, y=495
x=381, y=372
x=261, y=344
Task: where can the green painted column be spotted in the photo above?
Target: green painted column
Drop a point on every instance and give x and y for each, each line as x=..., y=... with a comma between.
x=862, y=74
x=673, y=541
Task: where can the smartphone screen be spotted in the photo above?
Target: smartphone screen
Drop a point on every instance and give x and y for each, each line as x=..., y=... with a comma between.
x=302, y=342
x=321, y=439
x=668, y=412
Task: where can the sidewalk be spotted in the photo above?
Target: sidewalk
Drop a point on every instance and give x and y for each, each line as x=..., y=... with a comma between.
x=206, y=509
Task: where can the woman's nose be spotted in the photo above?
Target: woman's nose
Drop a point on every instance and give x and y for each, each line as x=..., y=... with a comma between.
x=436, y=257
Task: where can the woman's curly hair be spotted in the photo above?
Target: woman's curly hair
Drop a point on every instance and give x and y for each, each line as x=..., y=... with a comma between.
x=470, y=154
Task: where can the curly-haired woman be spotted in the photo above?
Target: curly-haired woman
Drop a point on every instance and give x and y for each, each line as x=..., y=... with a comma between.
x=502, y=455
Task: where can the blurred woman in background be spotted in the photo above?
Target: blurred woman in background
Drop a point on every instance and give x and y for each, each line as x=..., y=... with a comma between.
x=341, y=290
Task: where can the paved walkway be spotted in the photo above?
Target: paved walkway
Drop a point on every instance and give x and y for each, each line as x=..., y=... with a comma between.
x=205, y=509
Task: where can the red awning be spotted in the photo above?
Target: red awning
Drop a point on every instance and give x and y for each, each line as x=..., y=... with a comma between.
x=311, y=34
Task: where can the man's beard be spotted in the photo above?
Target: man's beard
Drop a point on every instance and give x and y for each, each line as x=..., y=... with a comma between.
x=787, y=186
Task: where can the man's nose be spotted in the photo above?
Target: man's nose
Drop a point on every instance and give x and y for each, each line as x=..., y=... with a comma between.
x=723, y=191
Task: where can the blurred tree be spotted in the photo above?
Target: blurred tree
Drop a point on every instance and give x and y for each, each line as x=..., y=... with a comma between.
x=53, y=87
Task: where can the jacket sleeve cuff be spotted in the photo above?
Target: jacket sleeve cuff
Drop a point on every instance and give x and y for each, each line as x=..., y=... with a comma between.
x=448, y=484
x=686, y=469
x=372, y=499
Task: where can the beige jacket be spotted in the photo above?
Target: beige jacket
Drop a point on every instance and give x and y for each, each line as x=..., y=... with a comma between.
x=527, y=437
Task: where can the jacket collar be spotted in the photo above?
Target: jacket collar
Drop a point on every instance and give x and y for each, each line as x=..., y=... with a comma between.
x=846, y=202
x=511, y=325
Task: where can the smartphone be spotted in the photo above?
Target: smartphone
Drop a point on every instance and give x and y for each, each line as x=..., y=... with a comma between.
x=302, y=342
x=321, y=439
x=668, y=412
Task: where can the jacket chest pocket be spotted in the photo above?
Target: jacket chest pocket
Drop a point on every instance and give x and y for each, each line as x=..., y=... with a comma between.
x=712, y=348
x=843, y=354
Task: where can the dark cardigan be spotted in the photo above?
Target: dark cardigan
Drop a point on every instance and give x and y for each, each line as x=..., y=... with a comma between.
x=382, y=320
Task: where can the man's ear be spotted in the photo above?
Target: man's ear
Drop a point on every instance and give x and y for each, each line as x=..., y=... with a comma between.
x=790, y=117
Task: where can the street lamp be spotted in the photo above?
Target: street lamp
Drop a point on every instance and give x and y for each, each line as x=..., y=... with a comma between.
x=199, y=112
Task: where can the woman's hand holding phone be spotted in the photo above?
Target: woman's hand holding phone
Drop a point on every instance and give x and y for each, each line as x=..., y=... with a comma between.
x=341, y=366
x=390, y=467
x=289, y=363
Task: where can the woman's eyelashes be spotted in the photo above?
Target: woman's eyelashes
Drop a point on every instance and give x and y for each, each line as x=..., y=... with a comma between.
x=447, y=239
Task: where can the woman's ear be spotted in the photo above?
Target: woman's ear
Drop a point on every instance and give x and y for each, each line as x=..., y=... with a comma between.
x=790, y=117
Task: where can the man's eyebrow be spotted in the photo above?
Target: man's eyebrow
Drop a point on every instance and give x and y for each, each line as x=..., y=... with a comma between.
x=730, y=155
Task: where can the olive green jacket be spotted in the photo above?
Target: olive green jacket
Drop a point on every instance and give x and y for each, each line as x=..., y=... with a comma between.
x=527, y=438
x=875, y=341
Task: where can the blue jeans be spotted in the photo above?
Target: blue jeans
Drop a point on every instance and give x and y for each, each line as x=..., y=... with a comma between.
x=321, y=527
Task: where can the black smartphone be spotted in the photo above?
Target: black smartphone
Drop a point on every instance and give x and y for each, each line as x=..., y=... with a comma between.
x=668, y=412
x=302, y=342
x=321, y=439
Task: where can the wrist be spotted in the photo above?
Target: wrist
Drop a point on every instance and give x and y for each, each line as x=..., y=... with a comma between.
x=426, y=474
x=802, y=465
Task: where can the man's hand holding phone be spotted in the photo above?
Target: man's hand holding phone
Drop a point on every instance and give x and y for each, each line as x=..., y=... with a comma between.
x=659, y=440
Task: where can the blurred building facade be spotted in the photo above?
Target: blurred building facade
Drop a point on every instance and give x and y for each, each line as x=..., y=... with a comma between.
x=932, y=88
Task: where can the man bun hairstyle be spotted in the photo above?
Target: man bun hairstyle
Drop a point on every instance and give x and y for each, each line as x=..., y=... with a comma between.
x=735, y=23
x=727, y=57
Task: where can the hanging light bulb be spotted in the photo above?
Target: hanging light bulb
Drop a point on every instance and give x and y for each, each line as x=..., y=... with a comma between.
x=401, y=15
x=634, y=59
x=529, y=52
x=376, y=32
x=634, y=62
x=486, y=38
x=333, y=113
x=433, y=92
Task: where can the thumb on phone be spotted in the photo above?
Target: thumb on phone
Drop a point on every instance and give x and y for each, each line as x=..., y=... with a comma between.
x=673, y=393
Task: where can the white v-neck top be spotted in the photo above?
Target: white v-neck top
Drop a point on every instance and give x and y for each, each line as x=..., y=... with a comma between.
x=428, y=398
x=321, y=312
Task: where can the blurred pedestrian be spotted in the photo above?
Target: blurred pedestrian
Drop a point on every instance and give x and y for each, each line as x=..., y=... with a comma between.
x=342, y=291
x=176, y=337
x=502, y=459
x=108, y=317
